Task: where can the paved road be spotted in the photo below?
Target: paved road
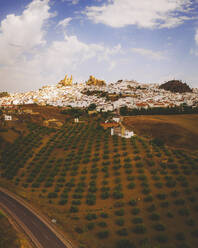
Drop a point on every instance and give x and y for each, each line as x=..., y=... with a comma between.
x=45, y=237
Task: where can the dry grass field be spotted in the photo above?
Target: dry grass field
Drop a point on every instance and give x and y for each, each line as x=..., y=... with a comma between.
x=176, y=130
x=109, y=192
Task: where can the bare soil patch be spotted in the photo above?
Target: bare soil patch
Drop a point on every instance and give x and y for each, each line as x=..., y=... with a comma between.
x=175, y=130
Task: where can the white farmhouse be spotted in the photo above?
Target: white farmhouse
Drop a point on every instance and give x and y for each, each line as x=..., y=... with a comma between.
x=128, y=134
x=76, y=120
x=122, y=132
x=116, y=119
x=7, y=117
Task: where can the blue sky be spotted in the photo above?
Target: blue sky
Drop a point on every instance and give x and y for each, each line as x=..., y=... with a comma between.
x=150, y=41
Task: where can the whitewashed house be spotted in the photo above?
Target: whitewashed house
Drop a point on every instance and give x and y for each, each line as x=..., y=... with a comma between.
x=76, y=120
x=122, y=132
x=7, y=117
x=116, y=119
x=128, y=134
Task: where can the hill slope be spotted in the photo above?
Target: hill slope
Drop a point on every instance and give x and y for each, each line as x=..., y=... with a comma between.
x=176, y=86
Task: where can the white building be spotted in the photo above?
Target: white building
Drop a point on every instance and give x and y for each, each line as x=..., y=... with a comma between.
x=7, y=117
x=116, y=119
x=76, y=120
x=122, y=132
x=128, y=134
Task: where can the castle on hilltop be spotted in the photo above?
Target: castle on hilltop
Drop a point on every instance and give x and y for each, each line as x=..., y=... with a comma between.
x=94, y=81
x=66, y=81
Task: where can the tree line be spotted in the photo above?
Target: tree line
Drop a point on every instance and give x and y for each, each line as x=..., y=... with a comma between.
x=184, y=109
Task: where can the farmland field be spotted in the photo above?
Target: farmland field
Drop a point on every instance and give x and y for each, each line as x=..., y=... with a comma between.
x=106, y=191
x=176, y=130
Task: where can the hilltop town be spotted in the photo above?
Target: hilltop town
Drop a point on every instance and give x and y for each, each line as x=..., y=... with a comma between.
x=87, y=157
x=106, y=96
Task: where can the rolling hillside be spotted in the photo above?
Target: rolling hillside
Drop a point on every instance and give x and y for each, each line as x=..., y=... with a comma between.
x=107, y=191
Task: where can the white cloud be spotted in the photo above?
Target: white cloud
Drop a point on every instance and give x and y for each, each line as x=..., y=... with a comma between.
x=27, y=60
x=156, y=55
x=74, y=2
x=51, y=64
x=20, y=34
x=64, y=22
x=144, y=13
x=196, y=36
x=194, y=51
x=70, y=53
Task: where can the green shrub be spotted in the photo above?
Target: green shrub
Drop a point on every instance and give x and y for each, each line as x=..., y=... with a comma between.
x=131, y=185
x=91, y=201
x=164, y=204
x=102, y=224
x=183, y=245
x=78, y=229
x=127, y=166
x=139, y=164
x=76, y=202
x=196, y=208
x=130, y=178
x=119, y=222
x=190, y=222
x=91, y=216
x=90, y=226
x=161, y=196
x=142, y=177
x=148, y=198
x=155, y=216
x=117, y=195
x=159, y=227
x=73, y=209
x=52, y=195
x=62, y=202
x=146, y=191
x=124, y=243
x=156, y=178
x=184, y=211
x=103, y=234
x=192, y=199
x=175, y=193
x=172, y=166
x=137, y=220
x=135, y=211
x=77, y=196
x=137, y=158
x=149, y=155
x=139, y=229
x=161, y=238
x=122, y=232
x=104, y=215
x=132, y=202
x=157, y=142
x=105, y=195
x=180, y=236
x=119, y=212
x=179, y=201
x=195, y=233
x=145, y=184
x=171, y=183
x=151, y=208
x=170, y=215
x=158, y=185
x=118, y=204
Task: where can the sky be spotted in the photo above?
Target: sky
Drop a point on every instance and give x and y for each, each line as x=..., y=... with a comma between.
x=150, y=41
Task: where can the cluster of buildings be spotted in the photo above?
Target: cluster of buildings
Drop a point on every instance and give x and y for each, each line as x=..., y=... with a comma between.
x=115, y=124
x=122, y=93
